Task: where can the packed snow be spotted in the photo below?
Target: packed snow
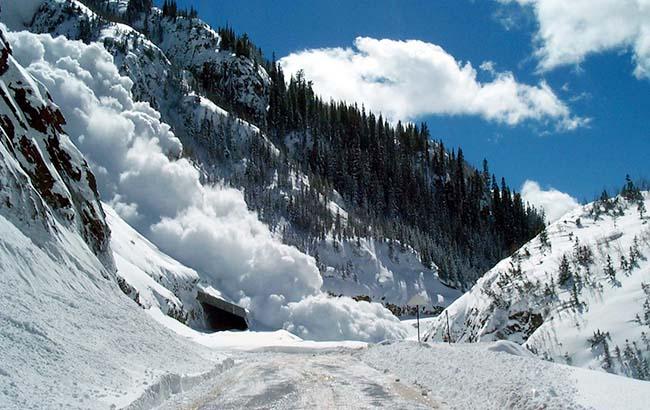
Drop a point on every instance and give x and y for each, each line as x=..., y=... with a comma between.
x=408, y=375
x=490, y=376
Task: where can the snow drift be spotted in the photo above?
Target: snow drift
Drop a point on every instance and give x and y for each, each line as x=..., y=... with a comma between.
x=140, y=173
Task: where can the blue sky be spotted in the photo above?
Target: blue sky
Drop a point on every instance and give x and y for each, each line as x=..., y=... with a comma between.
x=602, y=88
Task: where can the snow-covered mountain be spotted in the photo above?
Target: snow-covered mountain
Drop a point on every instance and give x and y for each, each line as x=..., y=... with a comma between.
x=579, y=293
x=98, y=298
x=165, y=58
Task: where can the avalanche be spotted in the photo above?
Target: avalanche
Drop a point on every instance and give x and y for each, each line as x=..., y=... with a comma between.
x=164, y=68
x=209, y=228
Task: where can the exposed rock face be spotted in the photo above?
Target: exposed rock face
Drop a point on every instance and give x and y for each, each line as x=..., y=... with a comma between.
x=160, y=54
x=43, y=175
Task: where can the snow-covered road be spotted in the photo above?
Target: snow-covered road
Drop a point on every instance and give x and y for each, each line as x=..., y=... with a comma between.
x=408, y=375
x=303, y=380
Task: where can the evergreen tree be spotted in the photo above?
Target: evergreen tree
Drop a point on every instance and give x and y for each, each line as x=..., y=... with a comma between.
x=543, y=240
x=136, y=7
x=630, y=191
x=641, y=208
x=609, y=269
x=564, y=272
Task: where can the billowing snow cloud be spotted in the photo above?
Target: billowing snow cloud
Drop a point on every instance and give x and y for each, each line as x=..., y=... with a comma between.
x=139, y=170
x=571, y=30
x=554, y=203
x=408, y=79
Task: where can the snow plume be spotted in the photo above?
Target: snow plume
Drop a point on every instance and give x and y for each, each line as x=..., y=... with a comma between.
x=571, y=30
x=407, y=79
x=140, y=173
x=554, y=203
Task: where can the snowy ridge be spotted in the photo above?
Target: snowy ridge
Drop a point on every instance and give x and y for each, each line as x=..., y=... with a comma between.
x=151, y=278
x=576, y=294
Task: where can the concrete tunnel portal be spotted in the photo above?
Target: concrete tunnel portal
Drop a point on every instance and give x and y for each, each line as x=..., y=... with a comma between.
x=222, y=315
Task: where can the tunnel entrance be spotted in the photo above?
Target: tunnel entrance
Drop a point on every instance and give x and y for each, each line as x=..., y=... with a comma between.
x=222, y=315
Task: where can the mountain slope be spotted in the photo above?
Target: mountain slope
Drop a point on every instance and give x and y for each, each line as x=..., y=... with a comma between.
x=208, y=228
x=166, y=68
x=579, y=293
x=44, y=176
x=323, y=177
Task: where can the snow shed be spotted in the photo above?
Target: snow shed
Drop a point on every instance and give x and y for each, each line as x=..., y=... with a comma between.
x=222, y=315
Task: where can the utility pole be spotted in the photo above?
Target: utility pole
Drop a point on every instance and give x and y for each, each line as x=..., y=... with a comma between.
x=417, y=300
x=418, y=320
x=448, y=331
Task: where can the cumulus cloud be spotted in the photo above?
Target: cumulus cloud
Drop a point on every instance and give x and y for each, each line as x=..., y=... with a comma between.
x=137, y=161
x=554, y=203
x=408, y=79
x=571, y=30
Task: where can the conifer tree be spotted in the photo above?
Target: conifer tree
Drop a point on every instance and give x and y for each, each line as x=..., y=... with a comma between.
x=609, y=269
x=564, y=272
x=641, y=208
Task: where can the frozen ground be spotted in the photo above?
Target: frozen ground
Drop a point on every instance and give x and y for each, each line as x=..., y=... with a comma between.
x=407, y=375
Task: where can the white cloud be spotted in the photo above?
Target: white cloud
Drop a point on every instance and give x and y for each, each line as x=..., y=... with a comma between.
x=571, y=30
x=488, y=66
x=554, y=203
x=408, y=79
x=139, y=171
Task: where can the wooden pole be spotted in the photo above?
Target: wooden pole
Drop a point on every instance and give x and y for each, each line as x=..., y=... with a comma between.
x=417, y=314
x=448, y=331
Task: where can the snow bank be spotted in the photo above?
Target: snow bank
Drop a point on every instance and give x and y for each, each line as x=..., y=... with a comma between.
x=475, y=376
x=506, y=346
x=140, y=173
x=69, y=336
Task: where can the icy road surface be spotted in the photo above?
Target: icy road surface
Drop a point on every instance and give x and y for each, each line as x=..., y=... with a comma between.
x=303, y=380
x=408, y=375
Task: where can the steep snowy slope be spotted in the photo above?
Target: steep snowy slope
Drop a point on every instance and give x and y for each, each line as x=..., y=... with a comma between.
x=579, y=293
x=69, y=337
x=382, y=272
x=165, y=58
x=43, y=175
x=151, y=278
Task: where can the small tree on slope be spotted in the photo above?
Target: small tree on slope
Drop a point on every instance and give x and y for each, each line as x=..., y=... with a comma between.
x=564, y=273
